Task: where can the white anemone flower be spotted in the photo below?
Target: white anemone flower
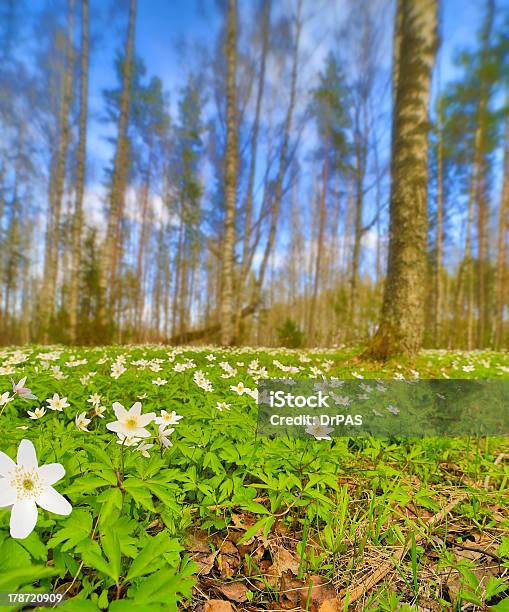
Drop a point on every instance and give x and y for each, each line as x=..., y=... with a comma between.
x=81, y=421
x=168, y=418
x=37, y=413
x=94, y=399
x=222, y=406
x=98, y=411
x=128, y=440
x=5, y=398
x=24, y=486
x=162, y=436
x=131, y=423
x=57, y=402
x=319, y=432
x=20, y=389
x=239, y=388
x=144, y=448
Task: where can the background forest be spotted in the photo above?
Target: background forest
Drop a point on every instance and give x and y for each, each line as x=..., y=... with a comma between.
x=167, y=167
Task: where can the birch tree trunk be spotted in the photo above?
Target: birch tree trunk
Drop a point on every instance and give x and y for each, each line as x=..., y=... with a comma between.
x=80, y=175
x=319, y=248
x=402, y=317
x=111, y=247
x=252, y=168
x=47, y=304
x=437, y=318
x=283, y=162
x=482, y=203
x=230, y=180
x=144, y=229
x=500, y=279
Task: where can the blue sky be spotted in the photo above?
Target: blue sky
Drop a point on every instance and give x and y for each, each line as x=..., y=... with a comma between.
x=168, y=30
x=163, y=25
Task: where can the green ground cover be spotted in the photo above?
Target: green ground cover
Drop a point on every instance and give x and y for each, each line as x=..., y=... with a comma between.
x=203, y=509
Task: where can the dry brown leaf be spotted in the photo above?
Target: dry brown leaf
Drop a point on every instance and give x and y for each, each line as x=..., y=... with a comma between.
x=241, y=521
x=205, y=562
x=228, y=548
x=330, y=605
x=283, y=561
x=236, y=591
x=218, y=605
x=455, y=582
x=316, y=593
x=290, y=591
x=227, y=565
x=197, y=542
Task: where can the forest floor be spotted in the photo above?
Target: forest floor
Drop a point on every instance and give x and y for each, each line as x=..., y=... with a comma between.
x=207, y=515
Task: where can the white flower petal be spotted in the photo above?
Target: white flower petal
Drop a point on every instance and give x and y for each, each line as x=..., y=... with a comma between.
x=8, y=495
x=26, y=454
x=145, y=419
x=116, y=426
x=51, y=472
x=140, y=432
x=23, y=518
x=119, y=410
x=51, y=500
x=6, y=464
x=135, y=409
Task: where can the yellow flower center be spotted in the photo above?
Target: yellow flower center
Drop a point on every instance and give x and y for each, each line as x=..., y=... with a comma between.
x=26, y=482
x=131, y=423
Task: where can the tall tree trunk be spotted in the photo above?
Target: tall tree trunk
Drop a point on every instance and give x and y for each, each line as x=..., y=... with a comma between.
x=230, y=180
x=145, y=199
x=469, y=262
x=482, y=202
x=283, y=161
x=47, y=304
x=80, y=175
x=110, y=289
x=437, y=318
x=319, y=247
x=402, y=317
x=184, y=274
x=500, y=280
x=178, y=274
x=361, y=147
x=252, y=168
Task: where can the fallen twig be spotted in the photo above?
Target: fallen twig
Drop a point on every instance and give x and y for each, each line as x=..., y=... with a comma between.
x=497, y=461
x=349, y=597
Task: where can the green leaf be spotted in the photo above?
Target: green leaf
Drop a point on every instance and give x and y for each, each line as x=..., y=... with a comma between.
x=502, y=606
x=77, y=528
x=92, y=557
x=150, y=557
x=111, y=500
x=140, y=492
x=163, y=587
x=99, y=453
x=78, y=605
x=86, y=484
x=255, y=507
x=111, y=547
x=264, y=523
x=503, y=549
x=13, y=555
x=35, y=547
x=13, y=579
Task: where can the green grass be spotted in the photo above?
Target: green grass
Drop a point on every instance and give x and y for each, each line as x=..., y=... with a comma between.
x=226, y=514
